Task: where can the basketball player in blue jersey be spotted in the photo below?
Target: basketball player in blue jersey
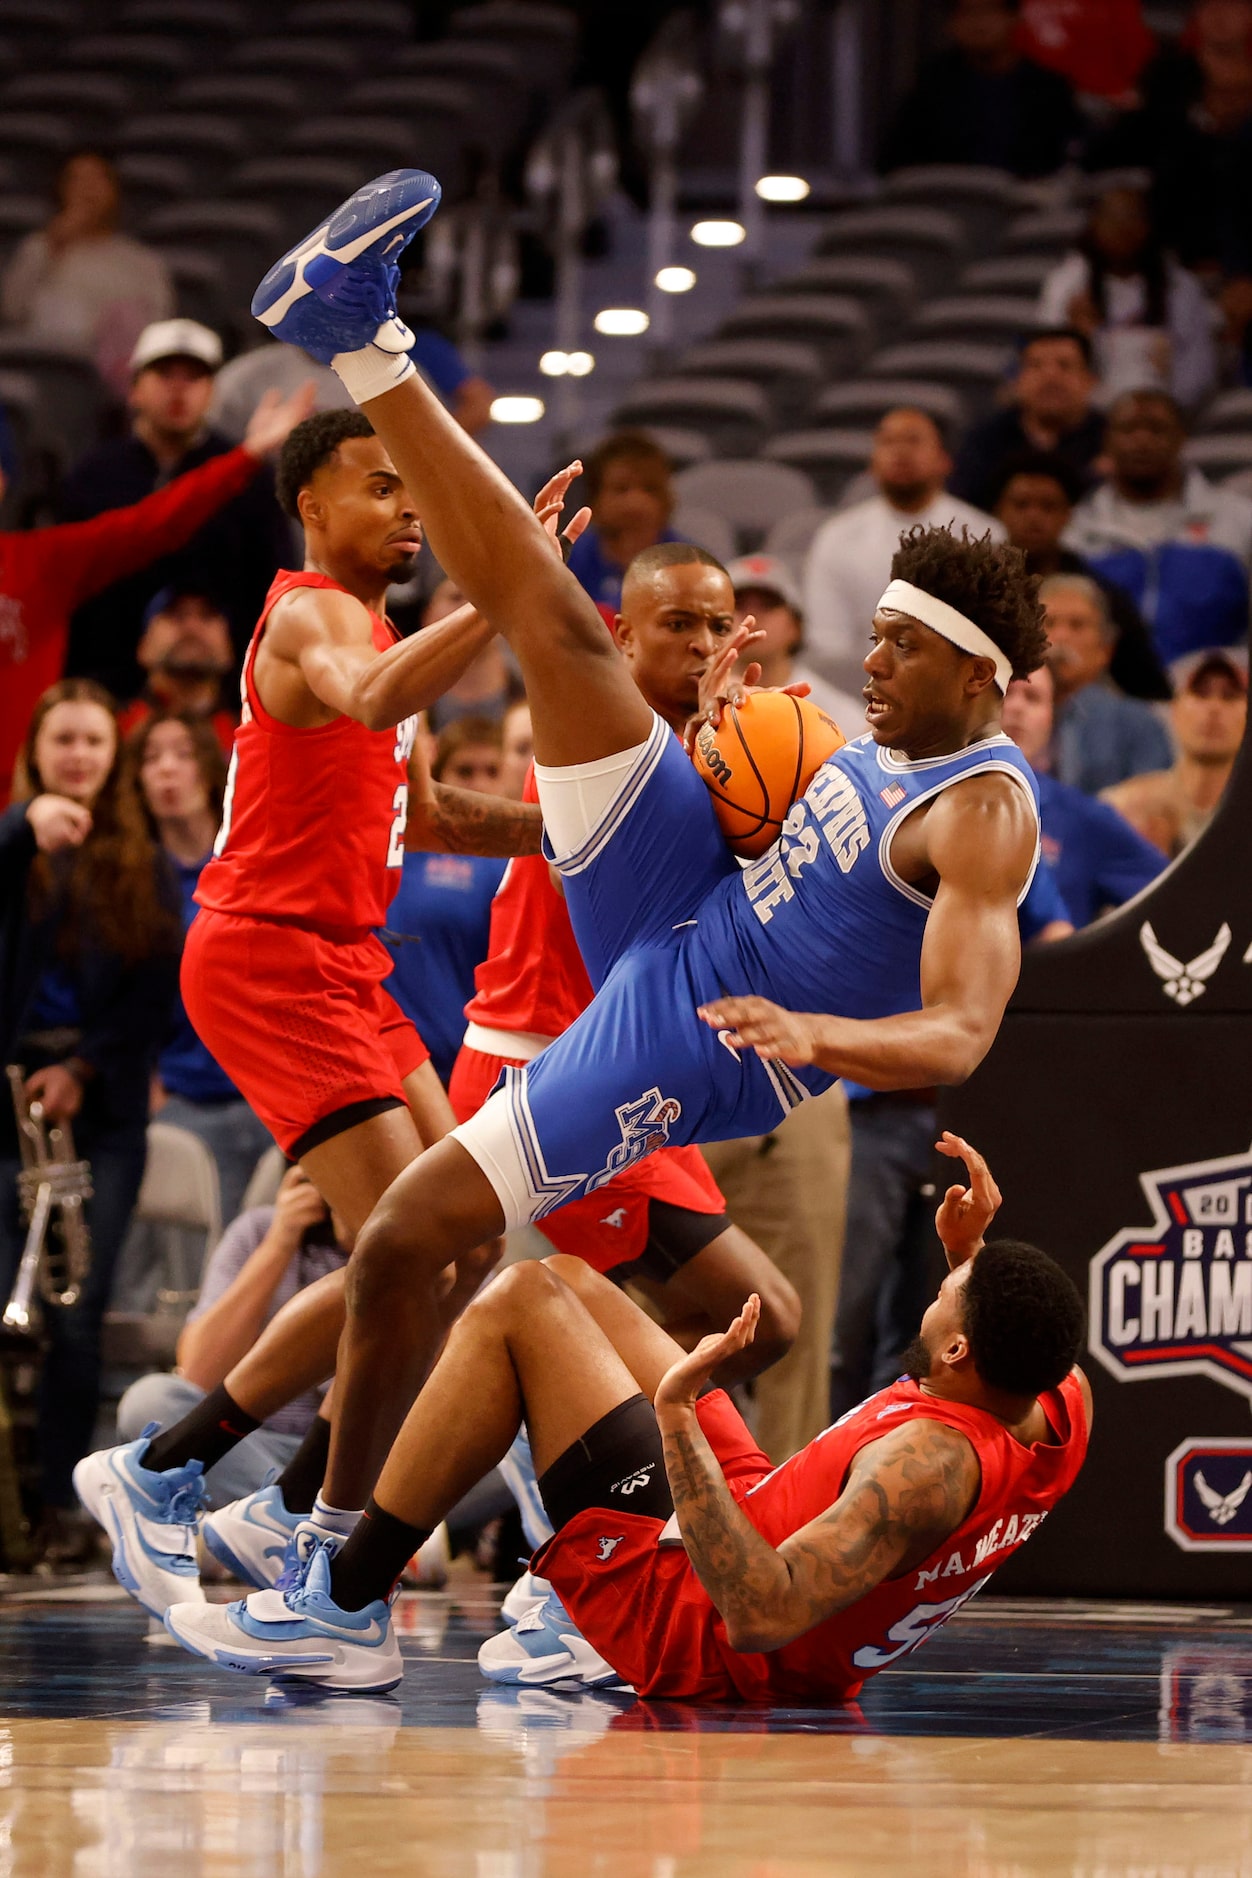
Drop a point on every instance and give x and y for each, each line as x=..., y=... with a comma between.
x=877, y=940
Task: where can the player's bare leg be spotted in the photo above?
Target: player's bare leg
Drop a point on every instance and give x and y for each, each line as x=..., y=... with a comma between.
x=584, y=704
x=710, y=1289
x=560, y=1355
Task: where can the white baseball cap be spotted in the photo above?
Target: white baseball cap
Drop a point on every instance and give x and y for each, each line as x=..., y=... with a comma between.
x=176, y=339
x=768, y=574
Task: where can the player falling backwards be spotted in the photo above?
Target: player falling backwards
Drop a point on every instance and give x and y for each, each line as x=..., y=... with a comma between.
x=696, y=1570
x=877, y=939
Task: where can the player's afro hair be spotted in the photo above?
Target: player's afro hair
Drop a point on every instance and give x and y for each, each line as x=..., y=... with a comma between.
x=311, y=444
x=984, y=579
x=1023, y=1317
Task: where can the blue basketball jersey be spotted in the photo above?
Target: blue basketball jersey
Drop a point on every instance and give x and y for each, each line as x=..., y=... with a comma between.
x=822, y=922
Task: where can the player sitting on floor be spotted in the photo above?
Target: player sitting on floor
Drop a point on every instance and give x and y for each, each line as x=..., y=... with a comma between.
x=693, y=1568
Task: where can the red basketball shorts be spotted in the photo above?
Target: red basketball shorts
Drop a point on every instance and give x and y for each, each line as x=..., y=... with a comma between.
x=611, y=1227
x=638, y=1602
x=299, y=1022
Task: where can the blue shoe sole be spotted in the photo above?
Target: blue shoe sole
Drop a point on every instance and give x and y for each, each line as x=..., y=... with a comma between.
x=367, y=233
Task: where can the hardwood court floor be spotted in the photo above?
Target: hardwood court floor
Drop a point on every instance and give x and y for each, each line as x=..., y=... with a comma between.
x=1027, y=1739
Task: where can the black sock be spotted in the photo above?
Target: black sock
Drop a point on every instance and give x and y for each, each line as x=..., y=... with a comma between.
x=373, y=1557
x=304, y=1473
x=209, y=1431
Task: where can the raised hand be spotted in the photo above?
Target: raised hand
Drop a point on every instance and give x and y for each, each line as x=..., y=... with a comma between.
x=549, y=506
x=57, y=822
x=276, y=417
x=965, y=1212
x=681, y=1384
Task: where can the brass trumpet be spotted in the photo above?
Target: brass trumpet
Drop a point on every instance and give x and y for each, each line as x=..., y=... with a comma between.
x=52, y=1187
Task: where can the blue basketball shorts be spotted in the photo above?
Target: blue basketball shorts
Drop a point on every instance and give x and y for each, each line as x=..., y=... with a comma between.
x=639, y=1070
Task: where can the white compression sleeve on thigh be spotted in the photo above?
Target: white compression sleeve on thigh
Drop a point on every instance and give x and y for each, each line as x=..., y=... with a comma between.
x=577, y=797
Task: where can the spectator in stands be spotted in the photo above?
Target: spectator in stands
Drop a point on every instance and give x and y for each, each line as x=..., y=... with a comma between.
x=1052, y=409
x=1035, y=502
x=1171, y=807
x=1149, y=321
x=1098, y=859
x=89, y=942
x=1102, y=736
x=766, y=588
x=46, y=572
x=439, y=922
x=79, y=283
x=181, y=775
x=242, y=384
x=632, y=499
x=849, y=561
x=1178, y=546
x=485, y=687
x=186, y=652
x=235, y=555
x=262, y=1260
x=1100, y=46
x=517, y=749
x=981, y=101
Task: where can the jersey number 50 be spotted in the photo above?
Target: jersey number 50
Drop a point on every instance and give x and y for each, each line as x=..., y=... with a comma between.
x=913, y=1629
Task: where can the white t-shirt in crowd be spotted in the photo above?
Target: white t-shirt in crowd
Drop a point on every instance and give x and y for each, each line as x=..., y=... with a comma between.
x=848, y=566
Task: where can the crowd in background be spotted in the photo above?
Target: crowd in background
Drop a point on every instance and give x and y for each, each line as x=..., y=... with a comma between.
x=124, y=620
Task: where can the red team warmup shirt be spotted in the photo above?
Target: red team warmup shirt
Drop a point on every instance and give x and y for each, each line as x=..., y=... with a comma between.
x=282, y=975
x=45, y=573
x=531, y=987
x=641, y=1605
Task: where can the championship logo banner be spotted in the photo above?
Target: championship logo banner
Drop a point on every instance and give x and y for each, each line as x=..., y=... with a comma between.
x=1174, y=1298
x=1208, y=1494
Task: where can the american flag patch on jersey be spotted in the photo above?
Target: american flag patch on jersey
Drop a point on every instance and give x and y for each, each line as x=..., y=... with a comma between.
x=893, y=794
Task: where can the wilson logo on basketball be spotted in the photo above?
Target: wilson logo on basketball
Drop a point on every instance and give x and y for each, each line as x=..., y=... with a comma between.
x=1174, y=1298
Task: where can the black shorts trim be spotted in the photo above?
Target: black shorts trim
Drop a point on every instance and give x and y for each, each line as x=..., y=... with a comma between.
x=675, y=1235
x=338, y=1122
x=618, y=1465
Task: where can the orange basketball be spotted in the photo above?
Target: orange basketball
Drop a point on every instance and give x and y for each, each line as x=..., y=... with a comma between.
x=761, y=758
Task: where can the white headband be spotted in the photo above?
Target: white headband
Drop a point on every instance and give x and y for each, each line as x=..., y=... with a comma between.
x=902, y=597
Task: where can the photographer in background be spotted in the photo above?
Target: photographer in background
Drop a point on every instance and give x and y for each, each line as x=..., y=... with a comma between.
x=261, y=1261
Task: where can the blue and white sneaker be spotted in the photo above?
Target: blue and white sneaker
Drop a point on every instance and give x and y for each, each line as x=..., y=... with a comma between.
x=299, y=1632
x=152, y=1519
x=253, y=1536
x=545, y=1645
x=335, y=291
x=522, y=1596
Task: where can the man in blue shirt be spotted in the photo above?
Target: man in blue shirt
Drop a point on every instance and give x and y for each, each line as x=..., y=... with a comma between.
x=628, y=487
x=1098, y=859
x=1100, y=735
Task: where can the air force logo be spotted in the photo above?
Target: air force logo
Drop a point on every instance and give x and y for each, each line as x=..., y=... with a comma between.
x=1174, y=1298
x=1208, y=1495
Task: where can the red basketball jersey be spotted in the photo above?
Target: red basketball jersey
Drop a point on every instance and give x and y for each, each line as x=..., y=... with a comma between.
x=313, y=820
x=1020, y=1486
x=533, y=978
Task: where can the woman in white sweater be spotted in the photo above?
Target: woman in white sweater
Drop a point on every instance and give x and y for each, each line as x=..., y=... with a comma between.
x=1150, y=321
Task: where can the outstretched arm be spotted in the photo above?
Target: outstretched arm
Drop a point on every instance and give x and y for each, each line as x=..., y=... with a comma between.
x=979, y=840
x=904, y=1494
x=445, y=820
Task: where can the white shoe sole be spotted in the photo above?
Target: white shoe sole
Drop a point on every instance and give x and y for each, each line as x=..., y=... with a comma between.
x=332, y=1668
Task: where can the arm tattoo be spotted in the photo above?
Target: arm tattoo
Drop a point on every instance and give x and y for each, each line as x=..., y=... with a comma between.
x=904, y=1495
x=460, y=821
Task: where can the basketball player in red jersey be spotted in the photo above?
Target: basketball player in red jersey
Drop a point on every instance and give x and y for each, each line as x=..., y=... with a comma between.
x=282, y=974
x=663, y=1220
x=695, y=1569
